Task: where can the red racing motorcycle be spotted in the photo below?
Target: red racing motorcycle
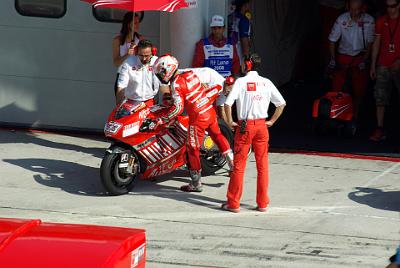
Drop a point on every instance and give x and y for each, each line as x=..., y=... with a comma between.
x=138, y=150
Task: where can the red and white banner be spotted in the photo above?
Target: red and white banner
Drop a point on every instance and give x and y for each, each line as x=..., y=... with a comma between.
x=140, y=5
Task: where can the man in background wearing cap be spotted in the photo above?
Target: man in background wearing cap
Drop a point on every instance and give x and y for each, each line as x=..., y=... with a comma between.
x=219, y=53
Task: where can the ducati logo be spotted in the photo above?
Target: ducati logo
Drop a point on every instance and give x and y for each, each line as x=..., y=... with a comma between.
x=251, y=86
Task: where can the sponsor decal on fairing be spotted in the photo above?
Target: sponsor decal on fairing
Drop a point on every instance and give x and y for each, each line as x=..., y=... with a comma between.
x=143, y=114
x=130, y=129
x=163, y=168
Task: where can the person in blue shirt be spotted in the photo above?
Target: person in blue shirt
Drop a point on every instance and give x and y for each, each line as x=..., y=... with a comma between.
x=240, y=29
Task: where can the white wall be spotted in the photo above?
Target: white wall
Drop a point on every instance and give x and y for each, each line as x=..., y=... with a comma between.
x=58, y=72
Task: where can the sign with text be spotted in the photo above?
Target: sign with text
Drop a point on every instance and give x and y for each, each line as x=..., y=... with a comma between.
x=191, y=3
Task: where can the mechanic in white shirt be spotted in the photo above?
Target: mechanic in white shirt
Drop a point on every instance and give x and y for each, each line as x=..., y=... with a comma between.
x=136, y=80
x=207, y=76
x=351, y=40
x=210, y=78
x=252, y=94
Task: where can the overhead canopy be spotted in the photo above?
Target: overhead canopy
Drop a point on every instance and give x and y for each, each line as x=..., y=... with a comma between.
x=140, y=5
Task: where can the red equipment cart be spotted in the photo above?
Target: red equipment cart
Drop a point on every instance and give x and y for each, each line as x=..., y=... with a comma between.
x=32, y=243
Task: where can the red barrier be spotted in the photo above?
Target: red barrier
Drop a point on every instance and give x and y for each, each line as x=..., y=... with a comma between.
x=31, y=243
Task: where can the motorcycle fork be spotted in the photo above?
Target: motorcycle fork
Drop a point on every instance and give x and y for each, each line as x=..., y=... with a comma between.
x=132, y=163
x=128, y=162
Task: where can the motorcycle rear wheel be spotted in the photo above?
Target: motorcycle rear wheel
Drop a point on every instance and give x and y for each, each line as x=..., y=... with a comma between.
x=114, y=179
x=212, y=165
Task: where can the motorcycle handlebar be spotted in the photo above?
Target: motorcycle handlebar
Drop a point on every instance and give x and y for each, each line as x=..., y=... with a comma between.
x=150, y=125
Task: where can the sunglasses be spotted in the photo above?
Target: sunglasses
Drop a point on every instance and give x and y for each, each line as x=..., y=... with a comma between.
x=392, y=6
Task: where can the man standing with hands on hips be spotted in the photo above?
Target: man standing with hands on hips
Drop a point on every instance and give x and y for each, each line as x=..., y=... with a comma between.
x=253, y=95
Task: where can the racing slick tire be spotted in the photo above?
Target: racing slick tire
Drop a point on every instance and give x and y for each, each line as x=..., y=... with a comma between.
x=114, y=178
x=211, y=164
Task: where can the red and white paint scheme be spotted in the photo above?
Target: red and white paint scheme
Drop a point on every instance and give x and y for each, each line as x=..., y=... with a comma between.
x=340, y=106
x=161, y=151
x=33, y=243
x=140, y=5
x=164, y=154
x=142, y=148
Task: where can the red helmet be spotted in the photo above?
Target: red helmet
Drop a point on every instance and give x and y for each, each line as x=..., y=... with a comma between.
x=165, y=68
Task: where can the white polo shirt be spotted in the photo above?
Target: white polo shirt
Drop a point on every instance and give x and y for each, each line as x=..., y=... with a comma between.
x=138, y=80
x=210, y=77
x=253, y=94
x=350, y=33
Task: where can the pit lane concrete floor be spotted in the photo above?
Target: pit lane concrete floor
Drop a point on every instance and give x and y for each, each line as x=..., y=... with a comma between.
x=324, y=212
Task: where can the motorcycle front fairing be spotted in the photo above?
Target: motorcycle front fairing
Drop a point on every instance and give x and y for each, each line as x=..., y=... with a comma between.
x=124, y=123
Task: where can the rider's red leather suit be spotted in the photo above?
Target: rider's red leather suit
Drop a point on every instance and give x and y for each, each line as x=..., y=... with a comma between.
x=188, y=92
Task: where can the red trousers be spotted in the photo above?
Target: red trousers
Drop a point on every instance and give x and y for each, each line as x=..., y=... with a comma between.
x=359, y=78
x=256, y=135
x=196, y=133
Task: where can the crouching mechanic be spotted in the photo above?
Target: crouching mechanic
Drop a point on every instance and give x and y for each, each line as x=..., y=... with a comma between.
x=210, y=78
x=188, y=92
x=136, y=80
x=253, y=95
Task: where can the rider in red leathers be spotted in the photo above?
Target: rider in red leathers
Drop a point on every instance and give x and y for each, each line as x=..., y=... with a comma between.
x=188, y=92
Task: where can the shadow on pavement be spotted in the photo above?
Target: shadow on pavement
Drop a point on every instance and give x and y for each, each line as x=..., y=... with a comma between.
x=79, y=179
x=155, y=188
x=377, y=198
x=26, y=137
x=70, y=177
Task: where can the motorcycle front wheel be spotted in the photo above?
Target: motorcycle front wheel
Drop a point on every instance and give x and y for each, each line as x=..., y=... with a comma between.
x=116, y=179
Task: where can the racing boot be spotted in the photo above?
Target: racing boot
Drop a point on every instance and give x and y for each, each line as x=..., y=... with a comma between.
x=195, y=185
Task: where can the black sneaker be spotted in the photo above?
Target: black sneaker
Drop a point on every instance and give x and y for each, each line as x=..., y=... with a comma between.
x=190, y=188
